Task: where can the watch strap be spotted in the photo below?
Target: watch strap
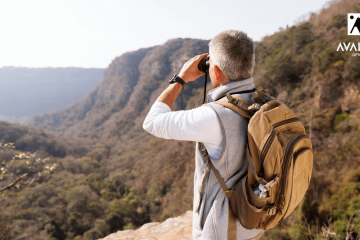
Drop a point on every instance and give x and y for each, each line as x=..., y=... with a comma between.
x=176, y=78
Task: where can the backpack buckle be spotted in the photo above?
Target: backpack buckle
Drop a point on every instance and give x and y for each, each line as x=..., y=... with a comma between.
x=204, y=152
x=234, y=101
x=254, y=107
x=272, y=210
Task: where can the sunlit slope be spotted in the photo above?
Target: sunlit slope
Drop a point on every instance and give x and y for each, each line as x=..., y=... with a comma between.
x=127, y=91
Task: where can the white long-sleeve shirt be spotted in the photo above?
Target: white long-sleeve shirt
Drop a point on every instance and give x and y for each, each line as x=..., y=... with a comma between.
x=200, y=124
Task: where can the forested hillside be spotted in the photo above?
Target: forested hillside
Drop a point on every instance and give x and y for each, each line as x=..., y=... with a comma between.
x=131, y=83
x=129, y=177
x=26, y=92
x=45, y=143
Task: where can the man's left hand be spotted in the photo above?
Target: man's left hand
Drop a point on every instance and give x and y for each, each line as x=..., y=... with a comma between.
x=190, y=71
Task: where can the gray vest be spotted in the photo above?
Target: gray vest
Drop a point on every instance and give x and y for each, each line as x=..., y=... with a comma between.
x=210, y=207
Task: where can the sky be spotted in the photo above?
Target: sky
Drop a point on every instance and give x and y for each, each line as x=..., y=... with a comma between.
x=89, y=33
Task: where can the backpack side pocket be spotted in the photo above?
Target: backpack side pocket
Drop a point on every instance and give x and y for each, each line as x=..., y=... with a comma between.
x=248, y=207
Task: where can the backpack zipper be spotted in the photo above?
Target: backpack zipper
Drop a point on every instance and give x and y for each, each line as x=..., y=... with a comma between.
x=286, y=121
x=289, y=149
x=281, y=201
x=272, y=136
x=267, y=146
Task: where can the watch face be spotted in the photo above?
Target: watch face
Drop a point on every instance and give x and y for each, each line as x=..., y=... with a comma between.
x=172, y=79
x=176, y=78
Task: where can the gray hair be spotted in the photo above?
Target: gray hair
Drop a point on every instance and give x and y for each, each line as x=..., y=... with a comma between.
x=234, y=53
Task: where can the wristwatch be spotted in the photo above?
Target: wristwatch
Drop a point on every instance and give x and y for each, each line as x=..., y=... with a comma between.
x=176, y=78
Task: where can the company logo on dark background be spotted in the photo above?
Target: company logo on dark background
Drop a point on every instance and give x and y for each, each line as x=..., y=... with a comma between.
x=353, y=23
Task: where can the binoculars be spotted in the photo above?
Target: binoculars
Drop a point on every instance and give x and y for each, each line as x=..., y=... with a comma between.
x=204, y=65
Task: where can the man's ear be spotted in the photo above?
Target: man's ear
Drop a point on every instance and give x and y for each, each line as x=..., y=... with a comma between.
x=217, y=72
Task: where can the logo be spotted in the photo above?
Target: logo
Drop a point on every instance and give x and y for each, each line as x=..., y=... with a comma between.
x=349, y=46
x=353, y=23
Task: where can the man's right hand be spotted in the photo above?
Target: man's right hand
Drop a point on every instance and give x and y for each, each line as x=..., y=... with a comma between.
x=190, y=71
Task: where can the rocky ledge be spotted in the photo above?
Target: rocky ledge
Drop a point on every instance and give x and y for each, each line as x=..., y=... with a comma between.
x=179, y=228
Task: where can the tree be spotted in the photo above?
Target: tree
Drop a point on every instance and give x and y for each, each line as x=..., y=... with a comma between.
x=15, y=172
x=21, y=166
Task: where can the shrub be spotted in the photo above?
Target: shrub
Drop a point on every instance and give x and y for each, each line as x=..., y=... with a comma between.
x=344, y=123
x=325, y=58
x=337, y=21
x=282, y=69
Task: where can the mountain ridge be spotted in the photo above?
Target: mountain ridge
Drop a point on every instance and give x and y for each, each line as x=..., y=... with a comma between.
x=126, y=89
x=27, y=92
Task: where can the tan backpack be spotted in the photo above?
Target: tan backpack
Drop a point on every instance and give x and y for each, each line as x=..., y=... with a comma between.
x=280, y=158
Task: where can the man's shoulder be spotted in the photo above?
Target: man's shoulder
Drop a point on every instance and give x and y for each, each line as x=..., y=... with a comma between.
x=222, y=111
x=201, y=115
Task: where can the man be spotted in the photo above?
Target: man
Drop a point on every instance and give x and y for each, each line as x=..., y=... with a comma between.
x=223, y=132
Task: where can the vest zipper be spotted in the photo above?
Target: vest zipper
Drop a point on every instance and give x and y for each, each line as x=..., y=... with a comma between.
x=288, y=150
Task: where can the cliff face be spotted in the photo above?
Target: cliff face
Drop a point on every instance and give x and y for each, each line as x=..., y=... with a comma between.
x=130, y=85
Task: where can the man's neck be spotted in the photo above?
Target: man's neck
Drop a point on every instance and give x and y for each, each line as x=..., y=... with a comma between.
x=237, y=86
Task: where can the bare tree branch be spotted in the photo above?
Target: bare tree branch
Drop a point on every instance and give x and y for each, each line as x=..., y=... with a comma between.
x=307, y=225
x=351, y=224
x=14, y=183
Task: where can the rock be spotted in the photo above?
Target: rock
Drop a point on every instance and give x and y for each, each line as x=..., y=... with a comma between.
x=179, y=228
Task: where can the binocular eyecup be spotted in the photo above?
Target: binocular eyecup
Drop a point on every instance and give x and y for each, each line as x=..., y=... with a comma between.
x=204, y=65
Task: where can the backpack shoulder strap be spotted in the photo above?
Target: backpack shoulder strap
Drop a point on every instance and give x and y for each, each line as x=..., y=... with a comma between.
x=237, y=104
x=216, y=172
